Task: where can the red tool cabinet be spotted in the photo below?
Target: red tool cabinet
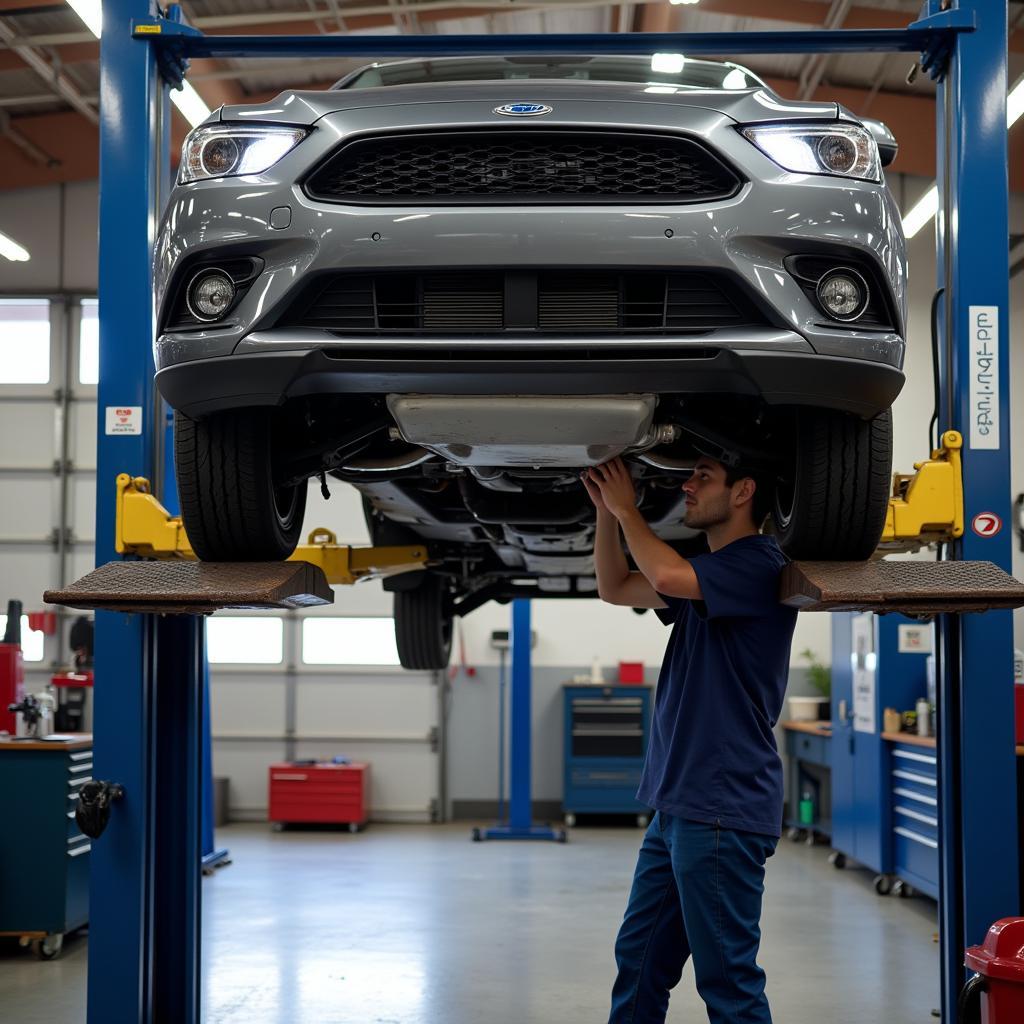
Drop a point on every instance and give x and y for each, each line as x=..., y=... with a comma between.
x=320, y=793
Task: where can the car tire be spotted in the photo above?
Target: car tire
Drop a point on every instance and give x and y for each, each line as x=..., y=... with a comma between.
x=833, y=505
x=423, y=625
x=231, y=509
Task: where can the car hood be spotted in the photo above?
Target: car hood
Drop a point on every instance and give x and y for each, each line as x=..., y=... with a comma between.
x=748, y=106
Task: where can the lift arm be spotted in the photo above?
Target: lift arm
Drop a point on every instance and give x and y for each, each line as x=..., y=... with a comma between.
x=145, y=528
x=927, y=506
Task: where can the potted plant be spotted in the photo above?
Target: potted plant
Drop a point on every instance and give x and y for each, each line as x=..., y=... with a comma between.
x=809, y=709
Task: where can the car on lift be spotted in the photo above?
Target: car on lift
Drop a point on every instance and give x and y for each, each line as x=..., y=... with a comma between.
x=455, y=283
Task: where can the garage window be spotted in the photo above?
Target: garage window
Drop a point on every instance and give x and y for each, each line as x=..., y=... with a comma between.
x=24, y=341
x=31, y=640
x=89, y=342
x=349, y=641
x=244, y=640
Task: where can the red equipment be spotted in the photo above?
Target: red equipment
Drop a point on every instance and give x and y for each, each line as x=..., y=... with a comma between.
x=999, y=962
x=325, y=792
x=12, y=668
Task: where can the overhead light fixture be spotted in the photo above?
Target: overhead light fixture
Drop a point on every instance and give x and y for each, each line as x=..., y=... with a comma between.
x=927, y=206
x=10, y=250
x=91, y=12
x=687, y=3
x=921, y=212
x=667, y=63
x=190, y=103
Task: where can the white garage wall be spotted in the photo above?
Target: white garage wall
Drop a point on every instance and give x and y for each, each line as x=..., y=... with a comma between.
x=260, y=714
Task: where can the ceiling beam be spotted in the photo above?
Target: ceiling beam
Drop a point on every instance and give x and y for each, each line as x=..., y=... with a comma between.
x=50, y=74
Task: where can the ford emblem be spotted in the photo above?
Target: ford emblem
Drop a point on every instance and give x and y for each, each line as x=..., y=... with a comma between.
x=523, y=109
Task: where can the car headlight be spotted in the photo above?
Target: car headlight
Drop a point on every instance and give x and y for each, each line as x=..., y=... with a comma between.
x=220, y=151
x=845, y=150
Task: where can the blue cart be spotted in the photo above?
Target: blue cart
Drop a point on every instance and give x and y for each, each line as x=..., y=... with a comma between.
x=606, y=731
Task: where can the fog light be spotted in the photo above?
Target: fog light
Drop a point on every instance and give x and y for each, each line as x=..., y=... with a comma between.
x=210, y=294
x=843, y=294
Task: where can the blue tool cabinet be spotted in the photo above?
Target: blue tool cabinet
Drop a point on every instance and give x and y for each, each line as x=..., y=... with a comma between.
x=914, y=789
x=44, y=857
x=606, y=730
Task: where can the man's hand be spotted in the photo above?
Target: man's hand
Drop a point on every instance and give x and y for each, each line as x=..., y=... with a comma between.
x=615, y=487
x=594, y=491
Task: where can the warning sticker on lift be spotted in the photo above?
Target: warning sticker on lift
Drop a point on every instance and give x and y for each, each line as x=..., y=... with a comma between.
x=984, y=376
x=986, y=524
x=124, y=419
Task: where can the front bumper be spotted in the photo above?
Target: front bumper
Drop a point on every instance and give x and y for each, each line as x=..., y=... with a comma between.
x=786, y=373
x=748, y=236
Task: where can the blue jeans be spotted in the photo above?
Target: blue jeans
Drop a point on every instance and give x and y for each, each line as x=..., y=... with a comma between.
x=696, y=892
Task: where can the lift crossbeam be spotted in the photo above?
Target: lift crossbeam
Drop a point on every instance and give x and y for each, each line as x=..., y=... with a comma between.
x=931, y=36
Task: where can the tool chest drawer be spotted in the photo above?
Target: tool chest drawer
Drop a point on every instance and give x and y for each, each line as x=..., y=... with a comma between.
x=809, y=748
x=914, y=816
x=321, y=793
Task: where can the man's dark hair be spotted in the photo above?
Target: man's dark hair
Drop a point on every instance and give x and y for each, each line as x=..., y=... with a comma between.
x=764, y=492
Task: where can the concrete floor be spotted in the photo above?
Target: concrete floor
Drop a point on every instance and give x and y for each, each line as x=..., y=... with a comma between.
x=417, y=925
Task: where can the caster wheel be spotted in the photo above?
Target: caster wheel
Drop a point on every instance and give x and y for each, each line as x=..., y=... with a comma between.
x=570, y=821
x=48, y=948
x=562, y=836
x=642, y=821
x=904, y=891
x=278, y=826
x=883, y=885
x=794, y=834
x=837, y=860
x=477, y=837
x=353, y=826
x=810, y=839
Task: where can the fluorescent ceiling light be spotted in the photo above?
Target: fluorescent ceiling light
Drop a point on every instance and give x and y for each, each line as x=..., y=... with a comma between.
x=667, y=63
x=927, y=206
x=91, y=12
x=190, y=103
x=1015, y=104
x=10, y=249
x=687, y=2
x=921, y=212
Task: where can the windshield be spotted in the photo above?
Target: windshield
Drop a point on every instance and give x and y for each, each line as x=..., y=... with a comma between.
x=663, y=69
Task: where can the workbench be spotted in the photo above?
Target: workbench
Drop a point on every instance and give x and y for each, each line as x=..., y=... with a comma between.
x=44, y=857
x=809, y=749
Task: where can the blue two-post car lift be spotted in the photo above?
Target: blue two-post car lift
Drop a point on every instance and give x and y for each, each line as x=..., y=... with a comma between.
x=144, y=949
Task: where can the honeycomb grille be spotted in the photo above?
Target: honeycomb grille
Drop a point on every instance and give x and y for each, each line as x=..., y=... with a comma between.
x=545, y=302
x=522, y=166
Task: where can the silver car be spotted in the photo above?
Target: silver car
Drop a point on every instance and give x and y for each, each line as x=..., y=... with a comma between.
x=453, y=283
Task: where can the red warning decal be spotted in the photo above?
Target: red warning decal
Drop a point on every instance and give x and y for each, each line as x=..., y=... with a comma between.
x=986, y=524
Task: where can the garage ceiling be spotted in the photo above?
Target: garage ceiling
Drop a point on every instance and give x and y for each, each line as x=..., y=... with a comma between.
x=49, y=62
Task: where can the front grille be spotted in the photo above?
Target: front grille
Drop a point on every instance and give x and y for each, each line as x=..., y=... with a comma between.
x=532, y=166
x=547, y=302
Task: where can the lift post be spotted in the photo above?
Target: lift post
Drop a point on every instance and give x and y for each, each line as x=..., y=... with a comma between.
x=520, y=819
x=144, y=934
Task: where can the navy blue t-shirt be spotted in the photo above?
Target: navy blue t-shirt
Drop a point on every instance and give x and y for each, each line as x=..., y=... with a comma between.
x=712, y=755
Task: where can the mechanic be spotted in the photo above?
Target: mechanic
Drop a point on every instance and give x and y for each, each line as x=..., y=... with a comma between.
x=712, y=772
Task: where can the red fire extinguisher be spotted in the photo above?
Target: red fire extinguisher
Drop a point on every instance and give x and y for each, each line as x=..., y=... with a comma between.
x=995, y=995
x=12, y=670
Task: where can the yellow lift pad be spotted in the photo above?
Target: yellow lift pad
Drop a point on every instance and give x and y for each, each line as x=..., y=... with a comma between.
x=927, y=506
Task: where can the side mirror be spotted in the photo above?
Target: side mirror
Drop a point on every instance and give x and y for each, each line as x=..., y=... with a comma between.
x=888, y=147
